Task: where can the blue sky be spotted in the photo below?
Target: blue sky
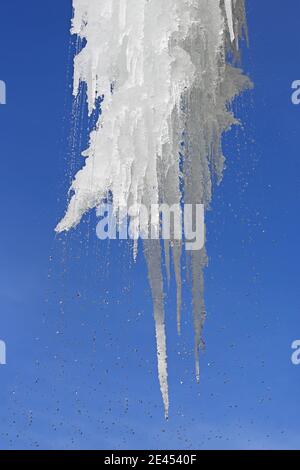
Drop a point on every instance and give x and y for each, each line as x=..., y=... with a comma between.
x=76, y=315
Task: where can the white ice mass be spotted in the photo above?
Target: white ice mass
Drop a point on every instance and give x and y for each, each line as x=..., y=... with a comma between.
x=161, y=67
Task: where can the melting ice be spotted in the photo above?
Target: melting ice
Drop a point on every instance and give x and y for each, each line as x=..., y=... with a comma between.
x=161, y=67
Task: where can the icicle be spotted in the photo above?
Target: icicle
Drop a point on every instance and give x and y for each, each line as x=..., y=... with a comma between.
x=152, y=252
x=158, y=139
x=228, y=8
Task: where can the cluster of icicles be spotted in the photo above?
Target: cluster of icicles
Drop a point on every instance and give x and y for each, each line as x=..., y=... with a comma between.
x=161, y=68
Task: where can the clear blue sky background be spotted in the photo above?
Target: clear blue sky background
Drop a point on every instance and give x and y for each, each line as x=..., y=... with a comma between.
x=76, y=314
